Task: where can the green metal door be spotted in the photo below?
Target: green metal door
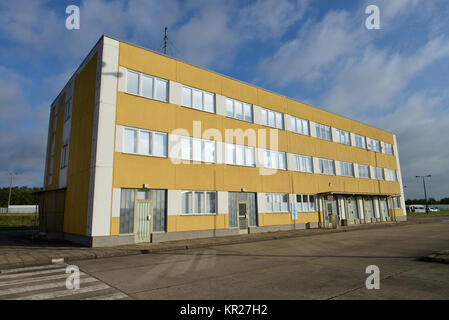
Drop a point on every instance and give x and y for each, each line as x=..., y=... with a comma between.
x=143, y=221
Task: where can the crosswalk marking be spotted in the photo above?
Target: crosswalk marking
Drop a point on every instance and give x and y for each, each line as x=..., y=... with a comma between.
x=19, y=275
x=48, y=266
x=49, y=282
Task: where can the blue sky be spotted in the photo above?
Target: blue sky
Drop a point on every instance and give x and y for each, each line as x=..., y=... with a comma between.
x=318, y=52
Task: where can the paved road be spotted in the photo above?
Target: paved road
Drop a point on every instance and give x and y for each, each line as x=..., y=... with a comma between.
x=49, y=282
x=325, y=266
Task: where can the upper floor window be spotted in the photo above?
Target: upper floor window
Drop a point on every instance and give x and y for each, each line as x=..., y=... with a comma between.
x=379, y=173
x=390, y=175
x=364, y=171
x=305, y=203
x=388, y=148
x=55, y=118
x=277, y=202
x=198, y=149
x=326, y=166
x=146, y=86
x=240, y=155
x=323, y=132
x=360, y=141
x=303, y=163
x=199, y=202
x=239, y=110
x=299, y=125
x=347, y=169
x=145, y=142
x=198, y=99
x=272, y=118
x=373, y=145
x=275, y=160
x=343, y=137
x=64, y=156
x=68, y=110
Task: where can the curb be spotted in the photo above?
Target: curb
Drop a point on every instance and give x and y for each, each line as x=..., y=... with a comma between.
x=100, y=253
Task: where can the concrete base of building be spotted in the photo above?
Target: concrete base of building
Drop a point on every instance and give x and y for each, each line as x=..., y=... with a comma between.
x=101, y=241
x=297, y=226
x=401, y=218
x=184, y=235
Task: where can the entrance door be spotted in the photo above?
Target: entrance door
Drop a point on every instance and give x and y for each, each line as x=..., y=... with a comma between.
x=368, y=209
x=351, y=209
x=331, y=213
x=150, y=214
x=383, y=208
x=243, y=219
x=242, y=210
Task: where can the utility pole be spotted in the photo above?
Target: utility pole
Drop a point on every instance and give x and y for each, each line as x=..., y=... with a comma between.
x=165, y=41
x=10, y=186
x=425, y=192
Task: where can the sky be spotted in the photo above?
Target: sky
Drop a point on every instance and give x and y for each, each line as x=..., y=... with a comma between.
x=318, y=52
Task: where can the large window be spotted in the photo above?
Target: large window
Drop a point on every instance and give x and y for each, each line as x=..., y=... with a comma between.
x=299, y=125
x=305, y=203
x=239, y=110
x=146, y=86
x=390, y=175
x=198, y=99
x=379, y=173
x=323, y=132
x=396, y=202
x=240, y=155
x=64, y=156
x=303, y=163
x=68, y=110
x=343, y=137
x=272, y=118
x=277, y=202
x=199, y=202
x=145, y=142
x=326, y=166
x=347, y=169
x=275, y=160
x=373, y=145
x=360, y=141
x=364, y=171
x=198, y=149
x=126, y=211
x=388, y=148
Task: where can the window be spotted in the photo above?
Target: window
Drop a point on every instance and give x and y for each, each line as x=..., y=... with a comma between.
x=305, y=203
x=379, y=174
x=303, y=163
x=239, y=110
x=68, y=110
x=360, y=141
x=275, y=160
x=199, y=202
x=343, y=137
x=364, y=171
x=145, y=142
x=299, y=125
x=198, y=99
x=396, y=202
x=240, y=155
x=326, y=166
x=323, y=132
x=373, y=145
x=64, y=155
x=388, y=148
x=197, y=149
x=277, y=202
x=347, y=169
x=147, y=86
x=390, y=175
x=272, y=118
x=126, y=211
x=55, y=118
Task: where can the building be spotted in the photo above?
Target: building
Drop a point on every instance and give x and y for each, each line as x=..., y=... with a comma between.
x=143, y=147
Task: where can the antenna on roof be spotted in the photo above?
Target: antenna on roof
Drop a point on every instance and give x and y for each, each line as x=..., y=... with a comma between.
x=165, y=41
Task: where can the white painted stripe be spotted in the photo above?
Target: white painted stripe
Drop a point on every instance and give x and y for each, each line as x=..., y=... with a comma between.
x=25, y=274
x=63, y=293
x=36, y=279
x=115, y=296
x=42, y=287
x=48, y=266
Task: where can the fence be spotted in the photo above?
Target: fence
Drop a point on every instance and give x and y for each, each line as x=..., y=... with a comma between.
x=20, y=209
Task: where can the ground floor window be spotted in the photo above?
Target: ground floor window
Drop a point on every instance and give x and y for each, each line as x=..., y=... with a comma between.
x=199, y=202
x=126, y=211
x=277, y=202
x=305, y=203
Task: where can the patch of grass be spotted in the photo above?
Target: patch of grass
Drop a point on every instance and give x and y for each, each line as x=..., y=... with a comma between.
x=14, y=220
x=431, y=214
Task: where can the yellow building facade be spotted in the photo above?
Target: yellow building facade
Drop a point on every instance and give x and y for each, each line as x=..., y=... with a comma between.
x=144, y=148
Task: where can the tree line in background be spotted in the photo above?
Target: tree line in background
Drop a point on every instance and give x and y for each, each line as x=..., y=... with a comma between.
x=429, y=201
x=19, y=196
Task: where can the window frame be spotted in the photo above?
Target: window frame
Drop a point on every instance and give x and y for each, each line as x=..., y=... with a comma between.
x=270, y=205
x=151, y=143
x=266, y=119
x=327, y=130
x=204, y=205
x=203, y=93
x=155, y=91
x=244, y=109
x=321, y=166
